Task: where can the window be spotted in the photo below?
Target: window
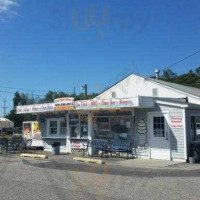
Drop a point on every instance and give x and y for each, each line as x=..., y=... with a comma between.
x=57, y=126
x=116, y=127
x=159, y=126
x=195, y=128
x=53, y=127
x=63, y=127
x=155, y=92
x=84, y=125
x=114, y=95
x=74, y=125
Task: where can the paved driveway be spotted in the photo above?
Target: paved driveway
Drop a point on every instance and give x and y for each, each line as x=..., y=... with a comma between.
x=61, y=178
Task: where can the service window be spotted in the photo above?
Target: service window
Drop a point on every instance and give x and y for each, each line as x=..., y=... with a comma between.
x=159, y=126
x=84, y=125
x=74, y=125
x=121, y=127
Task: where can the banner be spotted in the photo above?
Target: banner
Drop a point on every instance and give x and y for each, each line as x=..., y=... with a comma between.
x=35, y=108
x=107, y=103
x=65, y=103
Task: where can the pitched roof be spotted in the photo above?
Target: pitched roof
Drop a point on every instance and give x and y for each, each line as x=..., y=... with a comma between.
x=182, y=88
x=186, y=89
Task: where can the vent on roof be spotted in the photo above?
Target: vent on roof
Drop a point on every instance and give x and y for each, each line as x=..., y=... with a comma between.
x=114, y=95
x=155, y=92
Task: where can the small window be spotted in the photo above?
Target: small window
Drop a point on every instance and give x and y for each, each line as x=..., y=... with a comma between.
x=155, y=92
x=159, y=126
x=53, y=127
x=114, y=95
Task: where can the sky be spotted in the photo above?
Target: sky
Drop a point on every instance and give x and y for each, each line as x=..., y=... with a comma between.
x=62, y=44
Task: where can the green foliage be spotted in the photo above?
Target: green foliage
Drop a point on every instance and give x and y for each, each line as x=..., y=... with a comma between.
x=20, y=99
x=192, y=78
x=168, y=75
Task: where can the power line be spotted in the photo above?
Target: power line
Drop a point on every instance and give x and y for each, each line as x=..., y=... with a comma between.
x=23, y=89
x=13, y=93
x=179, y=61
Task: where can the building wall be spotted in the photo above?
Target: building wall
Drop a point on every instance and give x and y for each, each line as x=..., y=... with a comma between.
x=135, y=85
x=48, y=140
x=176, y=134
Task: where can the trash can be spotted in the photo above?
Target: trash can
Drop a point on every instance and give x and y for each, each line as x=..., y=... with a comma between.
x=56, y=148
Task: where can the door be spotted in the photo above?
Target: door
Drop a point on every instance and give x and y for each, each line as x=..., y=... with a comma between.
x=159, y=138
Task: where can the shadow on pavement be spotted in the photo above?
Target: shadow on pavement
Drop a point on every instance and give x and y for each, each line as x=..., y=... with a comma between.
x=115, y=170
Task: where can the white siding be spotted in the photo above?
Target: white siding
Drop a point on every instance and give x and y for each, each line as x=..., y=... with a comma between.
x=176, y=135
x=135, y=85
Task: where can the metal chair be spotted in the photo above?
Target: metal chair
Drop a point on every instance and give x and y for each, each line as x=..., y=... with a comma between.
x=26, y=146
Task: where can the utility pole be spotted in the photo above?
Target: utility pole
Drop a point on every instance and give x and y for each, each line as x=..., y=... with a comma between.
x=4, y=107
x=84, y=87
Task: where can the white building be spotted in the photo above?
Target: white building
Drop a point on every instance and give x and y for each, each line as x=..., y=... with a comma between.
x=161, y=118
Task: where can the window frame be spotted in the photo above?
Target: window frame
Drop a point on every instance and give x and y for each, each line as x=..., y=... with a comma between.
x=58, y=120
x=159, y=124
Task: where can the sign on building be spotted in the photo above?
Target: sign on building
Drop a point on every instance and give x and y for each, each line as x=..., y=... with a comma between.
x=65, y=103
x=176, y=122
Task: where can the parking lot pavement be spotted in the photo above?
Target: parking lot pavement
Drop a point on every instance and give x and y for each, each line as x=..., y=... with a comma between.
x=61, y=178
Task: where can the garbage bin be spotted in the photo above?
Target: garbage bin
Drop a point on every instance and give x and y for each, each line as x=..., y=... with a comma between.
x=56, y=148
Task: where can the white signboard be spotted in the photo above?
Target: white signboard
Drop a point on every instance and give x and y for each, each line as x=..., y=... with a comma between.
x=176, y=122
x=107, y=103
x=36, y=108
x=65, y=103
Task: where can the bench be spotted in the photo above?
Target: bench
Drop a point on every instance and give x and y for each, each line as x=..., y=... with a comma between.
x=120, y=146
x=98, y=145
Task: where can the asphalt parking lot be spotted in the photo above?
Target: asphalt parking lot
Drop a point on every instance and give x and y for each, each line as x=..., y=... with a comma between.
x=59, y=177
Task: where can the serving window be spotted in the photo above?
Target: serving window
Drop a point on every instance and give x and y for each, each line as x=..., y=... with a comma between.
x=113, y=127
x=78, y=125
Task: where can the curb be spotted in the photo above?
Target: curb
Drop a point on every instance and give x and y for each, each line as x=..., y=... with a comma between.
x=89, y=160
x=33, y=155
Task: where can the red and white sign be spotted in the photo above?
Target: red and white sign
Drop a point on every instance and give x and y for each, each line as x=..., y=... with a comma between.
x=35, y=108
x=65, y=103
x=176, y=122
x=107, y=103
x=78, y=145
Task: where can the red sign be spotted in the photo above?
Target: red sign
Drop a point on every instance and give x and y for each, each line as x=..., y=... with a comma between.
x=176, y=122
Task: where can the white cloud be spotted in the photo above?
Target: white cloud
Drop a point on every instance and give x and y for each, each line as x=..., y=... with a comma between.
x=7, y=9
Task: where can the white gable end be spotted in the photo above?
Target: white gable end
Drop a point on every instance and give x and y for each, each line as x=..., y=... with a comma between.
x=134, y=85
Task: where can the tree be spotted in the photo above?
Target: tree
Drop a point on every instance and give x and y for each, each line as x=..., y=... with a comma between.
x=168, y=75
x=192, y=78
x=20, y=99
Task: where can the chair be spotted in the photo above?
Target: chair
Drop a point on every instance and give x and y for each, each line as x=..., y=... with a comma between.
x=26, y=146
